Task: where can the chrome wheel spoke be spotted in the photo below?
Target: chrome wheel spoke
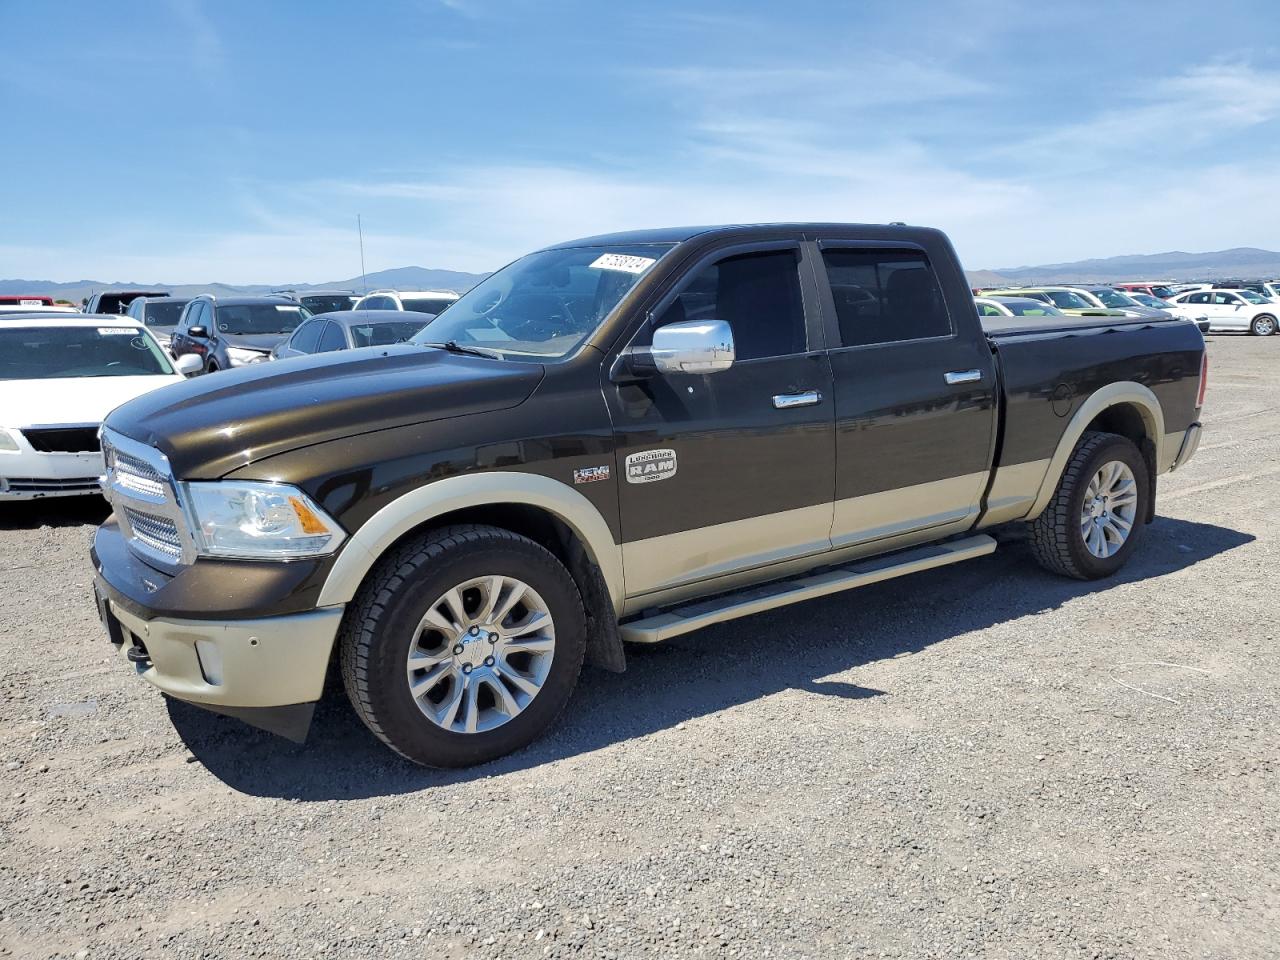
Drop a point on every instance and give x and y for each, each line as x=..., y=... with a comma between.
x=458, y=665
x=1109, y=509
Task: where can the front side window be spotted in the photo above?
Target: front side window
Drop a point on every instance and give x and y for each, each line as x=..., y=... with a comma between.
x=885, y=296
x=48, y=353
x=757, y=294
x=546, y=304
x=258, y=318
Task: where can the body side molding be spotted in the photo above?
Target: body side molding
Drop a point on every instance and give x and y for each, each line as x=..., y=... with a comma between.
x=1112, y=395
x=435, y=499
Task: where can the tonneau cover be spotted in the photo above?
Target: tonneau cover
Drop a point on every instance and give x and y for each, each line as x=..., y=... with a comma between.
x=1009, y=326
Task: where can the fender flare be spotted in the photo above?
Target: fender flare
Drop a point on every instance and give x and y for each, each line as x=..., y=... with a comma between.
x=367, y=545
x=1112, y=395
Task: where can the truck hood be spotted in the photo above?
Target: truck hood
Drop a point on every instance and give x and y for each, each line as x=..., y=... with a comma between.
x=67, y=400
x=211, y=425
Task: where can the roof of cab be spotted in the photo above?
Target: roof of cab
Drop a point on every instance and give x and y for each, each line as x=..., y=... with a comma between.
x=745, y=230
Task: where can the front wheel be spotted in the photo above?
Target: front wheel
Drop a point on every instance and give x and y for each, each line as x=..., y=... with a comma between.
x=463, y=646
x=1095, y=517
x=1263, y=325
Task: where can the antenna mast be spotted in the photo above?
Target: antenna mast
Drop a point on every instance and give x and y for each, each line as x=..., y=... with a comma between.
x=364, y=284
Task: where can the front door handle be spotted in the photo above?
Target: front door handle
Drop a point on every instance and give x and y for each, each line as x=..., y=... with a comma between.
x=962, y=376
x=786, y=401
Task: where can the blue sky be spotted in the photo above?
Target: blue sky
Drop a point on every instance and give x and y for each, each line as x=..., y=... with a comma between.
x=183, y=141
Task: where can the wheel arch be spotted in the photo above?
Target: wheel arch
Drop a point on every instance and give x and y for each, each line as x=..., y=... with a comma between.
x=545, y=510
x=1126, y=408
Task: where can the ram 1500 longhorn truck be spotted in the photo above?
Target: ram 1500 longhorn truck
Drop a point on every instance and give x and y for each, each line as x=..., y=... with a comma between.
x=623, y=438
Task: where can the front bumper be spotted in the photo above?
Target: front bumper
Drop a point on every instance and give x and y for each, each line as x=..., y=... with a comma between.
x=232, y=664
x=30, y=474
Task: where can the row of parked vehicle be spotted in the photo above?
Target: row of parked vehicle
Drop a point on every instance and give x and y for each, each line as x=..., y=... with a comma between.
x=1249, y=306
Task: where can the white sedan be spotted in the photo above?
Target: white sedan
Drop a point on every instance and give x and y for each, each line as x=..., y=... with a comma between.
x=60, y=375
x=1230, y=310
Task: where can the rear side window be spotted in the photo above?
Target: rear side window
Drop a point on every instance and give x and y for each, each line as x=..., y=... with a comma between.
x=757, y=294
x=332, y=339
x=306, y=337
x=885, y=296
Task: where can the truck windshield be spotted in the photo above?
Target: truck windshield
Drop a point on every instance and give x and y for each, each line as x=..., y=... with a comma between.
x=48, y=353
x=1113, y=298
x=545, y=304
x=1067, y=300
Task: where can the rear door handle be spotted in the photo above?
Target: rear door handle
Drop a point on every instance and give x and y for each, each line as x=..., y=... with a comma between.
x=786, y=401
x=962, y=376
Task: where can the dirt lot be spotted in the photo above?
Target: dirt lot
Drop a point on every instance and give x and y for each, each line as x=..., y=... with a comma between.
x=978, y=761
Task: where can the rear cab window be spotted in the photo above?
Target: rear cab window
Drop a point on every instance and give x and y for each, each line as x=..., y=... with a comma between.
x=885, y=296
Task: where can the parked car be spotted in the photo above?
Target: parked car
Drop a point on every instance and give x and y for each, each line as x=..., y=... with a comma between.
x=11, y=310
x=1147, y=300
x=1230, y=310
x=159, y=314
x=117, y=301
x=1268, y=291
x=25, y=300
x=234, y=331
x=1015, y=307
x=1160, y=290
x=736, y=418
x=1069, y=301
x=59, y=376
x=1113, y=299
x=346, y=330
x=420, y=301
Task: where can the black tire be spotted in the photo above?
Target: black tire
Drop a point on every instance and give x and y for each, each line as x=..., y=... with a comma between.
x=212, y=368
x=1056, y=539
x=381, y=621
x=1263, y=325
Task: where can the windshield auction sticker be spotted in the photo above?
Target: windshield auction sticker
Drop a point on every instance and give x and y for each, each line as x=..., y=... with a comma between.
x=622, y=262
x=117, y=331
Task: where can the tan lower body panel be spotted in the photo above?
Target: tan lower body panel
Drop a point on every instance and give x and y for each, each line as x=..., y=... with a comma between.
x=660, y=563
x=877, y=516
x=1013, y=491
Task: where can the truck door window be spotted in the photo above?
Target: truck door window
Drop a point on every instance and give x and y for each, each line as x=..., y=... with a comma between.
x=757, y=294
x=885, y=296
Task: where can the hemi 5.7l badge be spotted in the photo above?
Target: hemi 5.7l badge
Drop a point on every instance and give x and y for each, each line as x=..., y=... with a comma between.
x=650, y=465
x=591, y=474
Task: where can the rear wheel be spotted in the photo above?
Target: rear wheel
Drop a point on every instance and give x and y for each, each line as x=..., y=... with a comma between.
x=1263, y=325
x=1095, y=517
x=463, y=646
x=212, y=367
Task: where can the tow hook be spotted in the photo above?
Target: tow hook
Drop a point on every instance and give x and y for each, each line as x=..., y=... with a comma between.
x=138, y=654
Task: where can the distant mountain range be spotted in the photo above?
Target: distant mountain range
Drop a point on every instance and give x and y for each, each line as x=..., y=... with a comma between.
x=398, y=278
x=1239, y=263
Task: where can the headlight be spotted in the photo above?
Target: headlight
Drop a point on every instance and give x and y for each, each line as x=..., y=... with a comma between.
x=259, y=521
x=7, y=443
x=240, y=357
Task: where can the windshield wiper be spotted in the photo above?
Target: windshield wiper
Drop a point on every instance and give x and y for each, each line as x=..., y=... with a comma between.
x=453, y=346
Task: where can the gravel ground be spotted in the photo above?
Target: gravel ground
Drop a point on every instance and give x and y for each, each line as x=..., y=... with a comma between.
x=979, y=761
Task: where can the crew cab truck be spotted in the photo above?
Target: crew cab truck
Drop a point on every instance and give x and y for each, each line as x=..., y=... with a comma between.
x=622, y=438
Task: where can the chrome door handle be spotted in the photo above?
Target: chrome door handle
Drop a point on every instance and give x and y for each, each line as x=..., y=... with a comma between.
x=786, y=401
x=962, y=376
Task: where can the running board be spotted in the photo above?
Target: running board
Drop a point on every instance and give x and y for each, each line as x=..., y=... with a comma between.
x=743, y=603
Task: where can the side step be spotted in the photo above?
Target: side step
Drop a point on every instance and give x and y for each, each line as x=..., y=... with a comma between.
x=743, y=603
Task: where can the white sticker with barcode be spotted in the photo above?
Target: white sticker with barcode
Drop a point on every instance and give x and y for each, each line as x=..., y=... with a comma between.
x=622, y=262
x=117, y=331
x=287, y=309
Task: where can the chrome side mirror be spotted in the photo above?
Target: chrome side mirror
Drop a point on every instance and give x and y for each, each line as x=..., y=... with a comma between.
x=188, y=364
x=693, y=346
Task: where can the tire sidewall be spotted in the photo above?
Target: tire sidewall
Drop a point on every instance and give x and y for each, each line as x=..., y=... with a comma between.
x=1123, y=450
x=402, y=722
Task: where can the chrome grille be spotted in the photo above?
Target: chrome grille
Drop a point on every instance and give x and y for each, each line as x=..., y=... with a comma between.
x=158, y=533
x=147, y=502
